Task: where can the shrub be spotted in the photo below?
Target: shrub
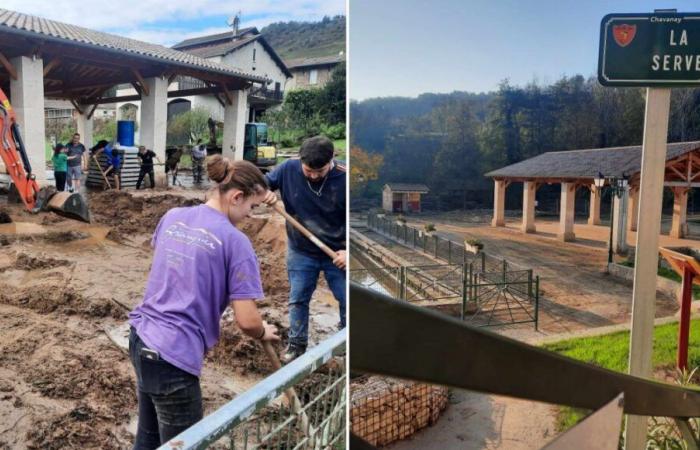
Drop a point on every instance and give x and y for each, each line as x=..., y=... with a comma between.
x=475, y=243
x=429, y=227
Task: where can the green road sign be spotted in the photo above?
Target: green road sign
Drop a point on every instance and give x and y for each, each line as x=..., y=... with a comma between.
x=656, y=49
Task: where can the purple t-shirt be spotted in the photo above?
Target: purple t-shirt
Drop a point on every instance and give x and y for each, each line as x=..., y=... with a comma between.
x=201, y=263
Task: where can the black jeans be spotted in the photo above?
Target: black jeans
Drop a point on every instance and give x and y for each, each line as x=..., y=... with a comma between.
x=142, y=174
x=170, y=399
x=60, y=181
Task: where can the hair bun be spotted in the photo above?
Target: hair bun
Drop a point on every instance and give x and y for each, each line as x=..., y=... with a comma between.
x=219, y=168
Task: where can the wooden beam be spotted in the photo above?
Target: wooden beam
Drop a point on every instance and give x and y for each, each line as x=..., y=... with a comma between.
x=227, y=93
x=51, y=65
x=171, y=78
x=137, y=87
x=141, y=81
x=215, y=93
x=681, y=184
x=92, y=111
x=677, y=172
x=130, y=98
x=8, y=66
x=76, y=106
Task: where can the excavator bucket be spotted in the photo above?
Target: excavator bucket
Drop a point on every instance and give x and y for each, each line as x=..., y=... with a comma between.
x=69, y=205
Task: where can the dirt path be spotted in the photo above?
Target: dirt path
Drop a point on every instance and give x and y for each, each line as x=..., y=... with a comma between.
x=65, y=285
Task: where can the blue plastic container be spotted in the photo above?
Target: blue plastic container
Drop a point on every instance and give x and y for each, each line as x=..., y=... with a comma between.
x=125, y=133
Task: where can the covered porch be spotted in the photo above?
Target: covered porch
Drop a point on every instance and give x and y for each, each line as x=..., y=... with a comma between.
x=45, y=59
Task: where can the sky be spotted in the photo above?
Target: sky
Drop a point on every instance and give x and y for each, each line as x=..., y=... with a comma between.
x=168, y=22
x=409, y=47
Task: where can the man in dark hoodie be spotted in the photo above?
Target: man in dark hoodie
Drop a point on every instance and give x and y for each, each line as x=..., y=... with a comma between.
x=313, y=191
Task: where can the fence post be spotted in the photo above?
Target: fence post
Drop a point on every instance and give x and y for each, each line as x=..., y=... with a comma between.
x=483, y=262
x=464, y=289
x=537, y=302
x=436, y=245
x=449, y=251
x=505, y=268
x=529, y=283
x=425, y=243
x=402, y=283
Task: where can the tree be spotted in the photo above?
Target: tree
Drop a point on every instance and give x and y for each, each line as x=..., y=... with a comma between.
x=364, y=168
x=188, y=127
x=330, y=100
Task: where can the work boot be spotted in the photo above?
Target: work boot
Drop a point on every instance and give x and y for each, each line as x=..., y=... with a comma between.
x=293, y=352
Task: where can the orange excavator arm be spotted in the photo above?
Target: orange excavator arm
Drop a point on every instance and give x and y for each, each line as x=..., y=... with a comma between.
x=15, y=156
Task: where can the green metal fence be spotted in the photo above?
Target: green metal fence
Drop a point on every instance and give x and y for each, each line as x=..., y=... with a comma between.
x=268, y=416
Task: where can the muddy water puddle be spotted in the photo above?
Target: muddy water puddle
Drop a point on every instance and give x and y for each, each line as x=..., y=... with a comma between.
x=22, y=228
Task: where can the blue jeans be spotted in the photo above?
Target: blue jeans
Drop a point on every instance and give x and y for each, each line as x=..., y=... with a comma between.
x=170, y=399
x=303, y=271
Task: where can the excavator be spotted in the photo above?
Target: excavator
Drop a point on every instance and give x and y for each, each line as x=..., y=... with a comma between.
x=14, y=155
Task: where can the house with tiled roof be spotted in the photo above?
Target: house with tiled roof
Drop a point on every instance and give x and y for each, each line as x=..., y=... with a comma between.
x=241, y=49
x=312, y=72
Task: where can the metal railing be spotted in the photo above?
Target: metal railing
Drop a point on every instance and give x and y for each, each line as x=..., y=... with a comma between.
x=258, y=418
x=450, y=251
x=267, y=94
x=444, y=351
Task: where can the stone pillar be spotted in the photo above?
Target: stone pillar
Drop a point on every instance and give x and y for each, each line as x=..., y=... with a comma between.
x=566, y=214
x=154, y=122
x=499, y=203
x=594, y=214
x=619, y=243
x=679, y=225
x=85, y=126
x=633, y=209
x=235, y=117
x=27, y=99
x=529, y=190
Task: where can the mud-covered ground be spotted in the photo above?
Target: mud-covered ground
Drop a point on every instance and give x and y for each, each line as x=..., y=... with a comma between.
x=66, y=286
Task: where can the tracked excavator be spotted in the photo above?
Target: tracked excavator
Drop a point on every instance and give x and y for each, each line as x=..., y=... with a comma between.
x=14, y=155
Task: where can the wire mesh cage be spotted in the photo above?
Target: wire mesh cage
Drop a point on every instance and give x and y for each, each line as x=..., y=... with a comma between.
x=300, y=406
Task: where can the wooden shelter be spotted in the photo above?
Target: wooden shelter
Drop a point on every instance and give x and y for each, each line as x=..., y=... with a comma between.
x=42, y=58
x=403, y=197
x=577, y=169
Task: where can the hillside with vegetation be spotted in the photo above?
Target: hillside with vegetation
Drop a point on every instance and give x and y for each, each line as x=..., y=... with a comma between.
x=449, y=141
x=307, y=39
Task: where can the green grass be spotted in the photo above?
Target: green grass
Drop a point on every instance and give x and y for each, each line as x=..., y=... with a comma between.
x=668, y=274
x=611, y=351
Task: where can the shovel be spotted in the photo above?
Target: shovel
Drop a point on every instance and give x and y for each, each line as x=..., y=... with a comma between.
x=99, y=167
x=291, y=394
x=279, y=207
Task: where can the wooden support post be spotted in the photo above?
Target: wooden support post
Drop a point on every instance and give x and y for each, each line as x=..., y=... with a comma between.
x=679, y=225
x=566, y=214
x=594, y=214
x=499, y=203
x=684, y=325
x=633, y=209
x=647, y=254
x=529, y=191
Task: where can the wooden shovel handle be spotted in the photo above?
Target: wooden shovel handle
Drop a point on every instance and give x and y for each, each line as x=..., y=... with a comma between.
x=290, y=393
x=279, y=207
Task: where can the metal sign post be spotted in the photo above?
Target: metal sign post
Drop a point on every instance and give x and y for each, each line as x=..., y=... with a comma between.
x=659, y=50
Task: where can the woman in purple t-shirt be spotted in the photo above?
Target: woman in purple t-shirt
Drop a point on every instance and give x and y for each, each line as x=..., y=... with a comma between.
x=201, y=265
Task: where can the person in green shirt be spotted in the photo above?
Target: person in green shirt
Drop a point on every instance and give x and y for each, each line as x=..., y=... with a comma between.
x=60, y=166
